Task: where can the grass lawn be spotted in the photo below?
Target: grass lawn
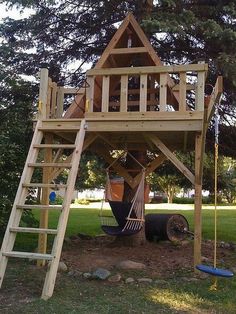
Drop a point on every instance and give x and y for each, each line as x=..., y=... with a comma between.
x=86, y=220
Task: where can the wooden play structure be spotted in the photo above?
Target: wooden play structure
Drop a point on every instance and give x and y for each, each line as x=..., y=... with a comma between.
x=129, y=101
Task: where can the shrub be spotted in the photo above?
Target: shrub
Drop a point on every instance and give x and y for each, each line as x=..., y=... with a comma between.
x=81, y=201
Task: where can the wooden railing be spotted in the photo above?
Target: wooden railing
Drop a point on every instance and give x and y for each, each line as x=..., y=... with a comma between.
x=52, y=97
x=111, y=90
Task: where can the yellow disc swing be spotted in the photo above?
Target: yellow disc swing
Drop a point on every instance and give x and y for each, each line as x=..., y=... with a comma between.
x=213, y=270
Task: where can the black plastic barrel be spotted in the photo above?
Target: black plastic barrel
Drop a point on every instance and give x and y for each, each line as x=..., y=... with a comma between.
x=172, y=227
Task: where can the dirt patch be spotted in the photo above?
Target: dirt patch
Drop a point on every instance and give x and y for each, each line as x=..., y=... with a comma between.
x=161, y=259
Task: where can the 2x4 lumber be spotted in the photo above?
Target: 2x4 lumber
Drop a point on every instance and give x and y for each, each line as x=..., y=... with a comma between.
x=33, y=230
x=77, y=91
x=62, y=223
x=60, y=102
x=43, y=223
x=49, y=207
x=53, y=101
x=143, y=93
x=46, y=257
x=43, y=185
x=124, y=93
x=136, y=91
x=198, y=200
x=167, y=152
x=200, y=93
x=182, y=91
x=121, y=51
x=149, y=70
x=132, y=103
x=43, y=90
x=105, y=93
x=55, y=146
x=215, y=96
x=49, y=96
x=153, y=115
x=51, y=164
x=90, y=93
x=163, y=92
x=188, y=87
x=15, y=216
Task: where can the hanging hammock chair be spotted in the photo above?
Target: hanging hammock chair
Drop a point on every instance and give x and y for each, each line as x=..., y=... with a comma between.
x=128, y=217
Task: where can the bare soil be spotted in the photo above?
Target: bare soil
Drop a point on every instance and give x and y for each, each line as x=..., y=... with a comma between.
x=161, y=258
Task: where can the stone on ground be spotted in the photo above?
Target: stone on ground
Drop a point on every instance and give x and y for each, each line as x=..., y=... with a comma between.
x=115, y=278
x=129, y=280
x=101, y=273
x=130, y=265
x=62, y=267
x=145, y=280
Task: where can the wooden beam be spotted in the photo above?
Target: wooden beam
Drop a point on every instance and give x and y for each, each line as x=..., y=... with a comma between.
x=143, y=93
x=49, y=96
x=105, y=93
x=167, y=152
x=182, y=91
x=60, y=102
x=124, y=93
x=90, y=93
x=43, y=89
x=42, y=239
x=149, y=70
x=200, y=93
x=215, y=97
x=120, y=51
x=163, y=92
x=53, y=101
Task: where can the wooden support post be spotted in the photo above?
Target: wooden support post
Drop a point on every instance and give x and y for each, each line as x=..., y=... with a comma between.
x=198, y=200
x=49, y=97
x=60, y=102
x=105, y=93
x=42, y=239
x=199, y=101
x=53, y=101
x=124, y=93
x=143, y=93
x=90, y=94
x=163, y=91
x=182, y=91
x=43, y=90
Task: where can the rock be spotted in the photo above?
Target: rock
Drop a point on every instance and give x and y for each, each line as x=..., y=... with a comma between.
x=189, y=279
x=115, y=278
x=185, y=242
x=129, y=280
x=87, y=275
x=62, y=267
x=101, y=273
x=146, y=280
x=130, y=265
x=74, y=273
x=161, y=282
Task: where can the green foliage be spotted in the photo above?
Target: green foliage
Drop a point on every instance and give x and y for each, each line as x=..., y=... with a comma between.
x=81, y=201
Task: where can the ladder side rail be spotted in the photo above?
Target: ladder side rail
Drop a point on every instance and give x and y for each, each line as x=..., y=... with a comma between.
x=15, y=216
x=62, y=223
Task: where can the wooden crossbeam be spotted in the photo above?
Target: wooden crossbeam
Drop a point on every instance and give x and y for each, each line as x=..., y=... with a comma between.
x=167, y=152
x=215, y=96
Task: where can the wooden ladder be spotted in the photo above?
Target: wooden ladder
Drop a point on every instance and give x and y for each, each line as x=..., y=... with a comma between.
x=19, y=205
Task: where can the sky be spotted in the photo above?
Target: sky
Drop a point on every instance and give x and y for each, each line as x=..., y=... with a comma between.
x=13, y=13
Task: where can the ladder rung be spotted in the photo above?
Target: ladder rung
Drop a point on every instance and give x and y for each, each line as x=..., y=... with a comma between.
x=48, y=257
x=54, y=165
x=66, y=146
x=28, y=206
x=44, y=185
x=33, y=230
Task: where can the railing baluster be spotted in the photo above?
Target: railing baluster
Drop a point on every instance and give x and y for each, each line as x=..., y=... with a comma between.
x=53, y=100
x=49, y=98
x=124, y=93
x=199, y=99
x=60, y=102
x=143, y=93
x=105, y=93
x=90, y=93
x=182, y=91
x=43, y=89
x=163, y=91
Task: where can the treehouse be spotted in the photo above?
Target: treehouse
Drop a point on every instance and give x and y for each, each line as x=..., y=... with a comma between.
x=130, y=101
